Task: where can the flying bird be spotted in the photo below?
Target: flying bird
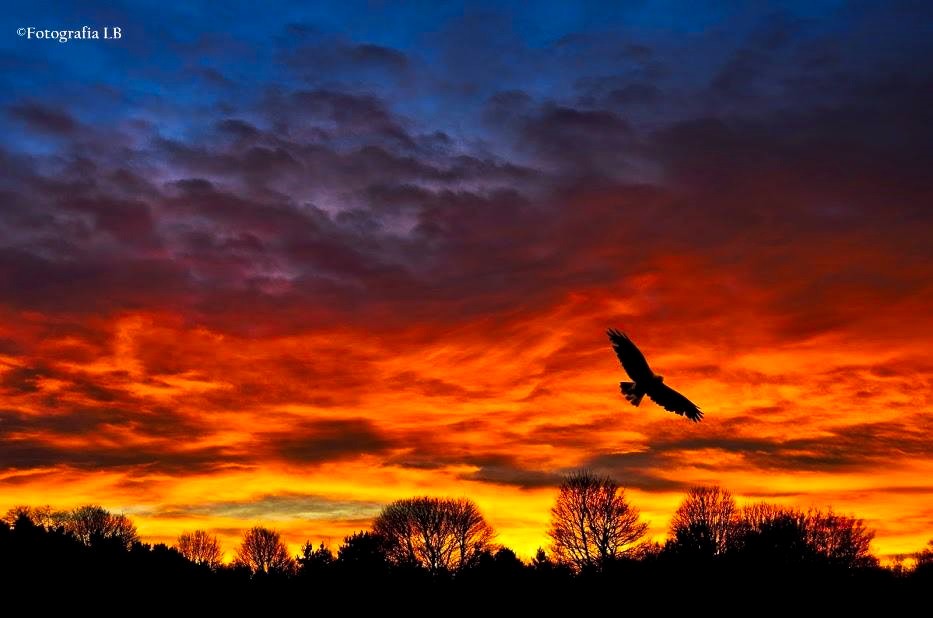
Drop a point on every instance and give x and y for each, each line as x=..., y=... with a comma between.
x=647, y=382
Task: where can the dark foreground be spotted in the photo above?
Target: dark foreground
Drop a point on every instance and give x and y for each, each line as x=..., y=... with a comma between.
x=48, y=570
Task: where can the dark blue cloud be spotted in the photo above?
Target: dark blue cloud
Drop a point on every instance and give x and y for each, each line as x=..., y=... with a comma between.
x=297, y=161
x=440, y=62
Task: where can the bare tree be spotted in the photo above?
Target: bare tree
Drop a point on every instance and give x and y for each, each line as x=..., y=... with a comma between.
x=840, y=539
x=92, y=524
x=924, y=557
x=592, y=522
x=42, y=516
x=200, y=548
x=437, y=534
x=707, y=518
x=758, y=515
x=470, y=531
x=262, y=551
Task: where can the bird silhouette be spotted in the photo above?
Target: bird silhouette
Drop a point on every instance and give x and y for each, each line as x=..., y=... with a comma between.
x=647, y=382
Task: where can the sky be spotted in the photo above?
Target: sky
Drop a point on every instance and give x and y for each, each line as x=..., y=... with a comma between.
x=281, y=265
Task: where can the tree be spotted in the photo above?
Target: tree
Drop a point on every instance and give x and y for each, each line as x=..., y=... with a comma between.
x=706, y=521
x=498, y=567
x=773, y=534
x=842, y=540
x=42, y=516
x=262, y=551
x=541, y=562
x=364, y=552
x=471, y=533
x=758, y=515
x=507, y=563
x=647, y=550
x=437, y=534
x=924, y=558
x=592, y=522
x=314, y=561
x=94, y=525
x=200, y=548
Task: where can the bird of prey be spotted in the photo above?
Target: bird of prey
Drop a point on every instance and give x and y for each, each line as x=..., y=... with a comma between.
x=646, y=382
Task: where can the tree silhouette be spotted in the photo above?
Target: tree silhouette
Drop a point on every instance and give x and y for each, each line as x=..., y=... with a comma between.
x=758, y=515
x=314, y=561
x=262, y=551
x=647, y=550
x=705, y=522
x=501, y=565
x=94, y=525
x=924, y=558
x=438, y=534
x=772, y=549
x=471, y=533
x=363, y=553
x=592, y=522
x=842, y=540
x=42, y=516
x=200, y=548
x=540, y=561
x=774, y=535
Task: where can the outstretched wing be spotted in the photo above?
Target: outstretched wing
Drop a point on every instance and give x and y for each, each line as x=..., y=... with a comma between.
x=672, y=401
x=633, y=361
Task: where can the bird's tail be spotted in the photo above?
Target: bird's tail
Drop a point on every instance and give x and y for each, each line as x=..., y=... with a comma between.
x=631, y=393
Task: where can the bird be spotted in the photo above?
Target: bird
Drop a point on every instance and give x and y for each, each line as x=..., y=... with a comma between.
x=647, y=382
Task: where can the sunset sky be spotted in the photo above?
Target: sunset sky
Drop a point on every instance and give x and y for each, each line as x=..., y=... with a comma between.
x=262, y=264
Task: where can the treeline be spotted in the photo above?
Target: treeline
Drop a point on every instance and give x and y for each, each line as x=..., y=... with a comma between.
x=597, y=538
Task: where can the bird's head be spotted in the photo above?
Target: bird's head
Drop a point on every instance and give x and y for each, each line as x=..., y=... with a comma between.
x=659, y=378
